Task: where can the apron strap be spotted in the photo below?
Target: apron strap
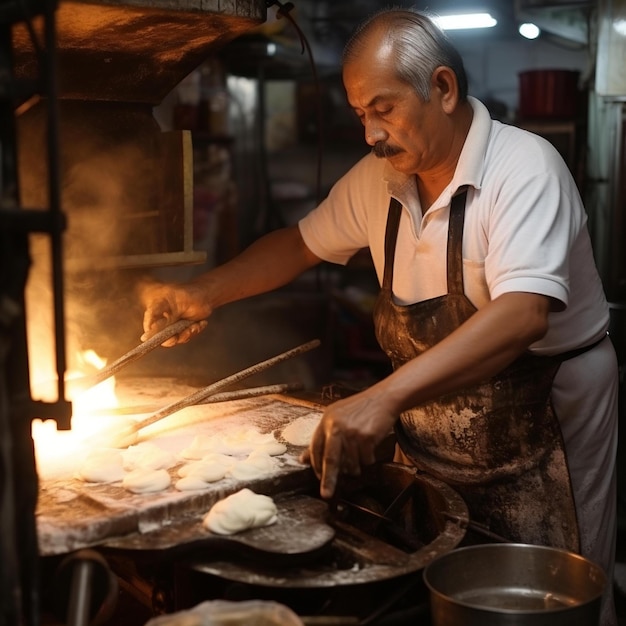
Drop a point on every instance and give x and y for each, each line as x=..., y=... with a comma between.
x=455, y=243
x=391, y=236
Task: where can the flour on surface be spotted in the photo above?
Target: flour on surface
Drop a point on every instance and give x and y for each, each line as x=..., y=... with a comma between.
x=193, y=482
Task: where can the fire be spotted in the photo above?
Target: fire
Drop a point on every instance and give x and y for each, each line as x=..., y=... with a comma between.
x=58, y=451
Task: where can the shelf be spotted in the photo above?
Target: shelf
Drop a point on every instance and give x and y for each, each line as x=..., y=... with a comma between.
x=566, y=136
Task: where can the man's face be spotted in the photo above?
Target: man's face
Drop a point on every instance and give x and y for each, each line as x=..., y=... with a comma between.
x=399, y=125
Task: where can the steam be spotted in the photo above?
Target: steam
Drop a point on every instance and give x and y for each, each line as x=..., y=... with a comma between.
x=111, y=188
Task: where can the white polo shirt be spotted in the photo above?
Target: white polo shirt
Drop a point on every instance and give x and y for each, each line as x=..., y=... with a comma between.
x=525, y=229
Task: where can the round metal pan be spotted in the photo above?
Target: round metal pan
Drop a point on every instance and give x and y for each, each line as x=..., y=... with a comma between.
x=514, y=585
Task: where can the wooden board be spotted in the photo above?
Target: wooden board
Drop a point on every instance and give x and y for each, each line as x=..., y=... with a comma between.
x=73, y=514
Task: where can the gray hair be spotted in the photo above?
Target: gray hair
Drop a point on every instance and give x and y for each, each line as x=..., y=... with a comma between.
x=419, y=46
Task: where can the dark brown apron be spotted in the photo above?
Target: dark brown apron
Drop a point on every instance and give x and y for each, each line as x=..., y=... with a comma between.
x=499, y=442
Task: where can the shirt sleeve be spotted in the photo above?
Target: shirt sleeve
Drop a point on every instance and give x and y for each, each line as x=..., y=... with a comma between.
x=339, y=227
x=533, y=225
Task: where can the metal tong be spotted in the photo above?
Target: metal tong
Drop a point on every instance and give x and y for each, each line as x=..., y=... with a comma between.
x=225, y=396
x=82, y=384
x=200, y=396
x=126, y=436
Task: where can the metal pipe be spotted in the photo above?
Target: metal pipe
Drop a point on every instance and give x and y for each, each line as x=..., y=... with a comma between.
x=80, y=594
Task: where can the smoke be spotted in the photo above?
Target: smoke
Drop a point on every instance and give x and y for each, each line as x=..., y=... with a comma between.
x=111, y=192
x=115, y=192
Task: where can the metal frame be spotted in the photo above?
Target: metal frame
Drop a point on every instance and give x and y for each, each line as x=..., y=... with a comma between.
x=19, y=557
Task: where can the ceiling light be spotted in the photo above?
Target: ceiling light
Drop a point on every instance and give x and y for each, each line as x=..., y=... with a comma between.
x=530, y=31
x=466, y=20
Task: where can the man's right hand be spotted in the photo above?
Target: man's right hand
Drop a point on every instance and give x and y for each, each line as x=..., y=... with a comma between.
x=166, y=303
x=270, y=262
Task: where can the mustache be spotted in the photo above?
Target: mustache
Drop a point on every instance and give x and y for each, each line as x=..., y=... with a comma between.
x=383, y=150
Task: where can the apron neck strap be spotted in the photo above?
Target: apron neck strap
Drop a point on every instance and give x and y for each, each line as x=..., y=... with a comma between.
x=391, y=236
x=455, y=242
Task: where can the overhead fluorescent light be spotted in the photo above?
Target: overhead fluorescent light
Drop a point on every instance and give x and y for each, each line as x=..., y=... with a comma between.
x=465, y=20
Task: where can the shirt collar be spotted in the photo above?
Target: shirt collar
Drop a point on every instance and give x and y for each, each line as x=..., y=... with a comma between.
x=470, y=168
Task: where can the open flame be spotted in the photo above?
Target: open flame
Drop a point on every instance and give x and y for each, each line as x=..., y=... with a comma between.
x=58, y=451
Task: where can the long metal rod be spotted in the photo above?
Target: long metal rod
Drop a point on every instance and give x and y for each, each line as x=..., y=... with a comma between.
x=202, y=394
x=81, y=384
x=226, y=396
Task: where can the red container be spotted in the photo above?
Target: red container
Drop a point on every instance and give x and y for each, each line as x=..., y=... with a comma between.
x=548, y=94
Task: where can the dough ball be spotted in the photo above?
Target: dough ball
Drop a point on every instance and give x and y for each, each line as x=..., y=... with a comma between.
x=200, y=446
x=257, y=465
x=247, y=440
x=146, y=480
x=300, y=431
x=102, y=466
x=147, y=455
x=191, y=483
x=273, y=448
x=234, y=442
x=207, y=471
x=240, y=511
x=217, y=457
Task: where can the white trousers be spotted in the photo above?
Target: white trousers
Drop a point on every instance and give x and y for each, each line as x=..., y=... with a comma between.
x=584, y=396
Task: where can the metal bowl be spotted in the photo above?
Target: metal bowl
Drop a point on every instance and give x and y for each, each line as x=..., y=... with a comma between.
x=508, y=584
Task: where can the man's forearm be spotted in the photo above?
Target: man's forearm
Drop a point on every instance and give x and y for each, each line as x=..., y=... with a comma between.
x=270, y=262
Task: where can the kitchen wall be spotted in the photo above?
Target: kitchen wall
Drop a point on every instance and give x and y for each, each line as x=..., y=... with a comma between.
x=493, y=67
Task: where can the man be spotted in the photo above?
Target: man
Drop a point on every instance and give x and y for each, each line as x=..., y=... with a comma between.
x=491, y=308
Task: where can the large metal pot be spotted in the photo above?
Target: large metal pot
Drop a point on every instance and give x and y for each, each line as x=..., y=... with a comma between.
x=510, y=584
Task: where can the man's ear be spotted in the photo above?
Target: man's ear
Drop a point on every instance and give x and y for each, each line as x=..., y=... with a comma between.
x=445, y=85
